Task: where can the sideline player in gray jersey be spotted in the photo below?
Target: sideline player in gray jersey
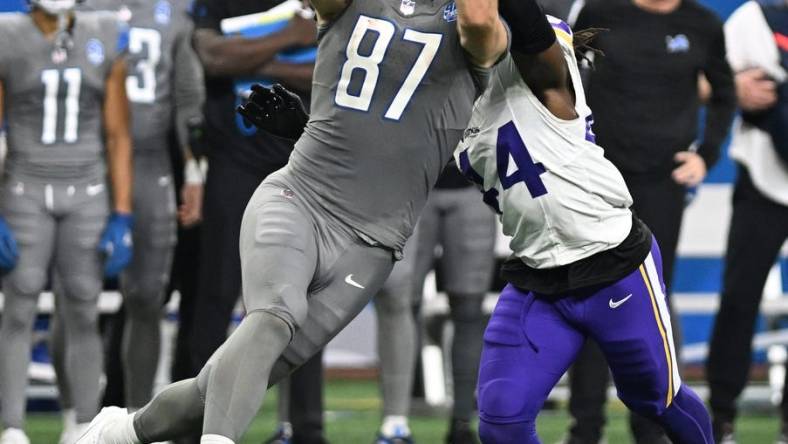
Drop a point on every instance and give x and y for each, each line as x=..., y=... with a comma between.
x=393, y=92
x=165, y=88
x=62, y=93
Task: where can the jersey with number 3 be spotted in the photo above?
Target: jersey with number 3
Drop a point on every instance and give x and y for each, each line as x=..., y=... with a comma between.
x=159, y=30
x=391, y=96
x=53, y=101
x=558, y=197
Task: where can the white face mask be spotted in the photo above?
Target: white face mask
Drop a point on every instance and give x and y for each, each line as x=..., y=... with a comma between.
x=55, y=7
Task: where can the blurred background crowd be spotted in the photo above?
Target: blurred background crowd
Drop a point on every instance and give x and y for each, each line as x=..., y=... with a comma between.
x=668, y=81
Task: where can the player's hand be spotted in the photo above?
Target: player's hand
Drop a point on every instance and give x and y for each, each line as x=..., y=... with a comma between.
x=755, y=90
x=692, y=169
x=9, y=252
x=116, y=244
x=190, y=211
x=275, y=110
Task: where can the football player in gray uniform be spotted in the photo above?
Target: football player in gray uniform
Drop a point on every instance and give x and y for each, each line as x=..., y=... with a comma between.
x=62, y=89
x=393, y=90
x=165, y=88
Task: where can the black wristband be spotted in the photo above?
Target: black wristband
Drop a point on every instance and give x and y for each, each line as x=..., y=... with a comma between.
x=531, y=32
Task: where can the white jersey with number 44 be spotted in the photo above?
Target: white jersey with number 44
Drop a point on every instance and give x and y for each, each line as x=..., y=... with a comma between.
x=558, y=197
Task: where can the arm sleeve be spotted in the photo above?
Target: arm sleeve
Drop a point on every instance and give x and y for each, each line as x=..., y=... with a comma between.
x=189, y=85
x=533, y=33
x=722, y=105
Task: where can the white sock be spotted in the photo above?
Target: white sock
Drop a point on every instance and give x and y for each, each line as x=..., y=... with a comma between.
x=122, y=432
x=394, y=425
x=215, y=439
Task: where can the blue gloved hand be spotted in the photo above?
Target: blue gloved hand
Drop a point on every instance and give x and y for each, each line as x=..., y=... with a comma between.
x=9, y=253
x=116, y=243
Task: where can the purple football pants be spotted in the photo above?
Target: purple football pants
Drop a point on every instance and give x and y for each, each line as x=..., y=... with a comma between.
x=531, y=341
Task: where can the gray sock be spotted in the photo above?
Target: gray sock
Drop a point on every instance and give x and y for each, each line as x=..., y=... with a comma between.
x=396, y=349
x=141, y=347
x=283, y=401
x=16, y=332
x=83, y=356
x=175, y=412
x=466, y=314
x=57, y=344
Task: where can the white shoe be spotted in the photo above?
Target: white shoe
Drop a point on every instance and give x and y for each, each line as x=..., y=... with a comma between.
x=14, y=436
x=71, y=434
x=107, y=419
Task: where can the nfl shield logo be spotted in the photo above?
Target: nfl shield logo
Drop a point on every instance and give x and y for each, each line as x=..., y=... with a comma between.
x=95, y=52
x=59, y=55
x=407, y=7
x=678, y=43
x=163, y=12
x=450, y=12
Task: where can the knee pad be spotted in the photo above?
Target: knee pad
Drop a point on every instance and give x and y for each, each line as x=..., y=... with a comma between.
x=144, y=296
x=465, y=308
x=505, y=398
x=281, y=300
x=81, y=317
x=523, y=432
x=82, y=286
x=399, y=284
x=27, y=281
x=391, y=303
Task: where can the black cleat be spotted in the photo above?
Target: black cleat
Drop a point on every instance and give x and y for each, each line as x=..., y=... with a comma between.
x=283, y=435
x=461, y=432
x=723, y=432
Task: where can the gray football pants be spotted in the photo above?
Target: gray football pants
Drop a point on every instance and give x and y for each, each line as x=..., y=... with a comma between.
x=143, y=283
x=304, y=278
x=396, y=338
x=57, y=227
x=145, y=280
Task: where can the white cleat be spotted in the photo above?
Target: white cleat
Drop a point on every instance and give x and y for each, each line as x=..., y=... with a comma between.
x=14, y=436
x=108, y=419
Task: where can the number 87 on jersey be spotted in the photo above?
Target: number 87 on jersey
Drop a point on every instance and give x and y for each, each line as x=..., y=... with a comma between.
x=367, y=66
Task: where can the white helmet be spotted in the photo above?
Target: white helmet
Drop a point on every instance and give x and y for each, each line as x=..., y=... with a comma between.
x=55, y=7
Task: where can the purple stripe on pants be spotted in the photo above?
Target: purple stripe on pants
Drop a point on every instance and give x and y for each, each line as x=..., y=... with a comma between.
x=531, y=341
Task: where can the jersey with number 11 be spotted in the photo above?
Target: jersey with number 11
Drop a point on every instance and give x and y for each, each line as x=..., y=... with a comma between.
x=392, y=93
x=54, y=100
x=558, y=197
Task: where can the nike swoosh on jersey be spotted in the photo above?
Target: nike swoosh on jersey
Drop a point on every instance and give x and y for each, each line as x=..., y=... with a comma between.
x=615, y=304
x=93, y=190
x=349, y=280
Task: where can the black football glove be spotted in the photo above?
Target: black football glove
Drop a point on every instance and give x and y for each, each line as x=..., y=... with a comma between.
x=275, y=110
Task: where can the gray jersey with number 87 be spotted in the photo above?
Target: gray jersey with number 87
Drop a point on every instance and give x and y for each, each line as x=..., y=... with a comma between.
x=392, y=95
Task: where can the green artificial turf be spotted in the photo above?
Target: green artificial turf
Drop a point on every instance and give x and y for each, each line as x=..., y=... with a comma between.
x=352, y=416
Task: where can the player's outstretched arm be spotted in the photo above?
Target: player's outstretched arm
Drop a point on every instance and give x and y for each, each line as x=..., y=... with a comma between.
x=118, y=138
x=539, y=57
x=482, y=33
x=235, y=56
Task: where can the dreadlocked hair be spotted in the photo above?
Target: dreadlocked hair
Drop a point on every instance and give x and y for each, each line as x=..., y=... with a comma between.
x=582, y=41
